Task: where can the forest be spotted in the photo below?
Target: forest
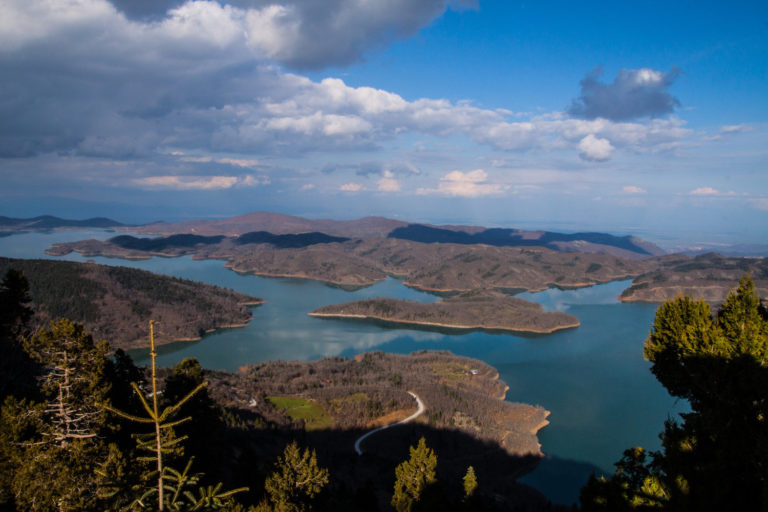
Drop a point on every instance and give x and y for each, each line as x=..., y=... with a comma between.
x=114, y=303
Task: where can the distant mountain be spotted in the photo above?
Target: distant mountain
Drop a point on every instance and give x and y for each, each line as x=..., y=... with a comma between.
x=50, y=222
x=276, y=223
x=498, y=237
x=380, y=227
x=735, y=250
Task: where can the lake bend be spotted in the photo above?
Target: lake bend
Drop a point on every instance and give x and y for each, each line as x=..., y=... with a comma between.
x=593, y=379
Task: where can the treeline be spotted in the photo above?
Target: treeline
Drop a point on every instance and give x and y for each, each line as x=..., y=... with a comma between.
x=113, y=303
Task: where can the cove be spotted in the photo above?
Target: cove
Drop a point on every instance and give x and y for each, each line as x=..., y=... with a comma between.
x=593, y=379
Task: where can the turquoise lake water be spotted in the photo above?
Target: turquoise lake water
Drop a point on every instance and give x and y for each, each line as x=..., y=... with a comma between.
x=593, y=379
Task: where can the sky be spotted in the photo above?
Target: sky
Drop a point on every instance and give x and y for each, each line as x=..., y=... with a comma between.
x=647, y=118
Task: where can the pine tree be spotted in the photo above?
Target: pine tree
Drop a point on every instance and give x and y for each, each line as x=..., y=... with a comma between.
x=470, y=483
x=297, y=479
x=413, y=476
x=717, y=457
x=174, y=490
x=52, y=447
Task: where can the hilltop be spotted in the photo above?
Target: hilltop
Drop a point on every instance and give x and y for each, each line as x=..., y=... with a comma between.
x=114, y=302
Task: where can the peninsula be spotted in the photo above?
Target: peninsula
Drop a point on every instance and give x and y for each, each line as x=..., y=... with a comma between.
x=708, y=276
x=481, y=309
x=113, y=303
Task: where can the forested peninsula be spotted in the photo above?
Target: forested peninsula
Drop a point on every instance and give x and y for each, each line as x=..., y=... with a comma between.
x=480, y=309
x=113, y=303
x=708, y=276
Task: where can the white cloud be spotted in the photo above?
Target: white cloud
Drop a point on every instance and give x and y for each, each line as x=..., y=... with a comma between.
x=237, y=162
x=631, y=189
x=735, y=128
x=388, y=185
x=200, y=182
x=469, y=184
x=351, y=187
x=704, y=191
x=313, y=34
x=595, y=149
x=191, y=82
x=187, y=182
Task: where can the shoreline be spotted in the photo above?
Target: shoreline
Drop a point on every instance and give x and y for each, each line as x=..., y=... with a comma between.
x=443, y=326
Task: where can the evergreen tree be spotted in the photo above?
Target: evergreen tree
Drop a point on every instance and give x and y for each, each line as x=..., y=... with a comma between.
x=717, y=457
x=16, y=370
x=413, y=476
x=14, y=304
x=173, y=490
x=470, y=483
x=297, y=479
x=51, y=448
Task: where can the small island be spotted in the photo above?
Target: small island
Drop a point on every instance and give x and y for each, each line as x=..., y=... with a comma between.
x=488, y=310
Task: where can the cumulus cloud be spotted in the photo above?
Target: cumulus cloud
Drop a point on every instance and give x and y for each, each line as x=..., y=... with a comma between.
x=631, y=189
x=351, y=187
x=84, y=80
x=634, y=93
x=388, y=185
x=304, y=34
x=595, y=149
x=465, y=184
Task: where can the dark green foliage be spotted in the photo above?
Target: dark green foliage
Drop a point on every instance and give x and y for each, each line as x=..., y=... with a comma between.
x=717, y=457
x=412, y=477
x=51, y=448
x=114, y=302
x=288, y=241
x=16, y=369
x=14, y=304
x=186, y=377
x=163, y=243
x=296, y=481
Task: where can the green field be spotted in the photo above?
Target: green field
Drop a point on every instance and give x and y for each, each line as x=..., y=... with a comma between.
x=314, y=416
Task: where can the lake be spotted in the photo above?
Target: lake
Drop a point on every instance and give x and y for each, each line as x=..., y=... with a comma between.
x=602, y=397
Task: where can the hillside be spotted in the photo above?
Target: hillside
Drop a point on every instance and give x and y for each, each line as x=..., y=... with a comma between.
x=480, y=309
x=439, y=267
x=43, y=222
x=329, y=403
x=115, y=303
x=709, y=276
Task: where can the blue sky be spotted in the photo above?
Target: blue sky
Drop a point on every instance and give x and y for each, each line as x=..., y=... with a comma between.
x=646, y=117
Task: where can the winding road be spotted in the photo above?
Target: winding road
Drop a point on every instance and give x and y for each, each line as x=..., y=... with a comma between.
x=413, y=416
